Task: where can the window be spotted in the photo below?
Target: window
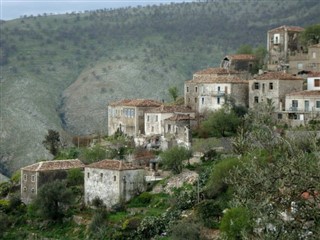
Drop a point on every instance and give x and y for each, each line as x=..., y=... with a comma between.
x=276, y=38
x=195, y=100
x=196, y=89
x=279, y=115
x=256, y=85
x=156, y=118
x=88, y=175
x=218, y=100
x=317, y=104
x=32, y=190
x=314, y=55
x=294, y=104
x=219, y=89
x=202, y=101
x=317, y=82
x=25, y=177
x=25, y=189
x=187, y=89
x=114, y=178
x=101, y=175
x=271, y=86
x=148, y=118
x=169, y=128
x=152, y=129
x=33, y=178
x=256, y=99
x=300, y=66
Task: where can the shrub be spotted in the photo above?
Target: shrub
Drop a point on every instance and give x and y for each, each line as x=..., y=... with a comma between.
x=131, y=224
x=4, y=189
x=235, y=221
x=185, y=230
x=99, y=224
x=209, y=212
x=97, y=202
x=75, y=177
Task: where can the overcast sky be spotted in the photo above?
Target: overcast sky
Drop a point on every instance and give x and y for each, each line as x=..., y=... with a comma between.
x=11, y=9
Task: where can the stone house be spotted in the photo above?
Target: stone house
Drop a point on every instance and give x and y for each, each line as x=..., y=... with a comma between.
x=112, y=181
x=154, y=118
x=303, y=106
x=273, y=86
x=305, y=61
x=177, y=129
x=128, y=115
x=211, y=88
x=36, y=175
x=281, y=43
x=239, y=62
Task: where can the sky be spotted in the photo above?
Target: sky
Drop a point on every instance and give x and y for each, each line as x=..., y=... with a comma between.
x=12, y=9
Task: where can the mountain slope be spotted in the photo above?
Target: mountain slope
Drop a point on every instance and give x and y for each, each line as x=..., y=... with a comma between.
x=61, y=71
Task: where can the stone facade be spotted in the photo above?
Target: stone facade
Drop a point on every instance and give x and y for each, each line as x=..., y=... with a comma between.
x=282, y=42
x=274, y=86
x=128, y=115
x=154, y=118
x=36, y=175
x=210, y=88
x=239, y=62
x=112, y=181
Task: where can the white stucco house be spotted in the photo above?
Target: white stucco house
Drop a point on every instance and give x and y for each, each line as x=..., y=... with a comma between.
x=112, y=181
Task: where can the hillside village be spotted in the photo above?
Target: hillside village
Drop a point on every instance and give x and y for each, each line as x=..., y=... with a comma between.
x=154, y=124
x=290, y=84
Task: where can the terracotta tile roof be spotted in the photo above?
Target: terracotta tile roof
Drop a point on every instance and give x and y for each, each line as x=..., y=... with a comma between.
x=289, y=28
x=170, y=109
x=217, y=71
x=277, y=76
x=136, y=103
x=179, y=117
x=55, y=165
x=113, y=165
x=218, y=79
x=315, y=46
x=314, y=74
x=241, y=57
x=314, y=93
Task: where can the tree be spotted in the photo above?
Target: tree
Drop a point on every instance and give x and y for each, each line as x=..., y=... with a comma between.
x=173, y=91
x=52, y=142
x=173, y=158
x=245, y=49
x=52, y=200
x=220, y=123
x=311, y=35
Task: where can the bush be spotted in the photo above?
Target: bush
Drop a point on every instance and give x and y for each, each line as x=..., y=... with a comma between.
x=4, y=189
x=209, y=212
x=75, y=177
x=131, y=224
x=185, y=230
x=98, y=224
x=235, y=222
x=97, y=202
x=173, y=158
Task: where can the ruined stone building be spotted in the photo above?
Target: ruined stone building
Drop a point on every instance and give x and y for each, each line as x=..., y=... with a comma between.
x=112, y=181
x=211, y=88
x=36, y=175
x=127, y=115
x=239, y=62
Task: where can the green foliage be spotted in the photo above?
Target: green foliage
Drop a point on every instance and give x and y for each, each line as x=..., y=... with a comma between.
x=235, y=222
x=94, y=154
x=15, y=178
x=4, y=189
x=172, y=159
x=52, y=200
x=173, y=92
x=52, y=142
x=97, y=202
x=4, y=223
x=75, y=177
x=221, y=123
x=142, y=200
x=217, y=181
x=4, y=205
x=131, y=224
x=185, y=230
x=210, y=155
x=184, y=197
x=69, y=153
x=98, y=226
x=245, y=49
x=311, y=35
x=209, y=212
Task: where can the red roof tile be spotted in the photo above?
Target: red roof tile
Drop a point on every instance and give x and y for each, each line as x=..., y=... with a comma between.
x=277, y=76
x=288, y=28
x=179, y=117
x=315, y=93
x=218, y=79
x=55, y=165
x=314, y=74
x=170, y=109
x=113, y=165
x=136, y=103
x=241, y=57
x=217, y=71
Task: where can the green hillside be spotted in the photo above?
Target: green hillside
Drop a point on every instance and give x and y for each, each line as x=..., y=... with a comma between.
x=60, y=71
